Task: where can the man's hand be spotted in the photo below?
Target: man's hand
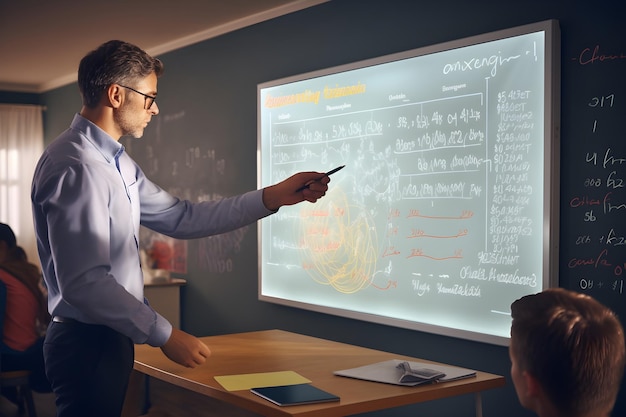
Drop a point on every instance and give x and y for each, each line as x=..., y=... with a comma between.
x=185, y=349
x=309, y=186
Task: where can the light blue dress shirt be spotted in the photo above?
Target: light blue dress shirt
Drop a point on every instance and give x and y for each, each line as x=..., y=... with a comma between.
x=89, y=198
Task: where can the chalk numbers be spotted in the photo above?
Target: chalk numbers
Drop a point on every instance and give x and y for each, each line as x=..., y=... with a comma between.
x=603, y=199
x=602, y=101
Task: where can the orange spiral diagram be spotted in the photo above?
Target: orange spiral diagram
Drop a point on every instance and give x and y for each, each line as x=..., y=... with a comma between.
x=338, y=250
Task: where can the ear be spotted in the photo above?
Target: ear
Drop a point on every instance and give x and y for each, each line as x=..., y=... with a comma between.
x=115, y=96
x=533, y=387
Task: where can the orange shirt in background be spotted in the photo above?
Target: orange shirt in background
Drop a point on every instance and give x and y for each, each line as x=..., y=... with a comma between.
x=20, y=316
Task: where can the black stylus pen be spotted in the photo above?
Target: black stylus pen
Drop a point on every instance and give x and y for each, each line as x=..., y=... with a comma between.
x=332, y=171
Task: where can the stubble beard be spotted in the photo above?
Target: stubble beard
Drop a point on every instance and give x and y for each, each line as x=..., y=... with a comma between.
x=127, y=123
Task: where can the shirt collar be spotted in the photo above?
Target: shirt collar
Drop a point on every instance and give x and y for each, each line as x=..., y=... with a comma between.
x=108, y=147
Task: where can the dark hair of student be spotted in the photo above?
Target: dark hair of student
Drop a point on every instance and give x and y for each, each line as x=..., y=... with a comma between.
x=573, y=345
x=7, y=235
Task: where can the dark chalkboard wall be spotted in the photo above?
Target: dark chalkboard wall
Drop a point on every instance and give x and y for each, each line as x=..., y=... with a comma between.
x=207, y=125
x=593, y=194
x=593, y=161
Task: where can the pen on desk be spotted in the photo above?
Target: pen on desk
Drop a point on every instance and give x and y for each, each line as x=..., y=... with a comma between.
x=332, y=171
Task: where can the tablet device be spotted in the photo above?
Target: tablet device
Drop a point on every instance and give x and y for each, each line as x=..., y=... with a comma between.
x=294, y=394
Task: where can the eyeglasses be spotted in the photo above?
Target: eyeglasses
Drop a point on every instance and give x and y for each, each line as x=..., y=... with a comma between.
x=149, y=100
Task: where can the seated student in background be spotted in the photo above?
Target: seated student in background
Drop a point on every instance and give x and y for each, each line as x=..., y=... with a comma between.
x=25, y=316
x=567, y=354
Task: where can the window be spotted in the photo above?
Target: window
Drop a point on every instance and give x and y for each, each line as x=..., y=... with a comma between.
x=21, y=144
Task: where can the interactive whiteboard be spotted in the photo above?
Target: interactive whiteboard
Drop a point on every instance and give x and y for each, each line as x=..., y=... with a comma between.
x=446, y=210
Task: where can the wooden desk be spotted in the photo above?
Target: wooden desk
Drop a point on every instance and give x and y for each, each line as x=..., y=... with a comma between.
x=313, y=358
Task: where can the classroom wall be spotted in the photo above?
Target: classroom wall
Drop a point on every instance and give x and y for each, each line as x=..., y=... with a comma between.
x=10, y=97
x=207, y=131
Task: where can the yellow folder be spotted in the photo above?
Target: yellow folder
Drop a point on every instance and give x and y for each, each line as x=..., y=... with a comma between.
x=257, y=380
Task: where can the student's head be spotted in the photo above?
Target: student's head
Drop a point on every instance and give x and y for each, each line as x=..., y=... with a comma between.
x=114, y=62
x=7, y=236
x=7, y=240
x=566, y=349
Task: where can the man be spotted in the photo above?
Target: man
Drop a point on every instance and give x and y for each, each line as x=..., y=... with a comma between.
x=25, y=314
x=89, y=198
x=567, y=354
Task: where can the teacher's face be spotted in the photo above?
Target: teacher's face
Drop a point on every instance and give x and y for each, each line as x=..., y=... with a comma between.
x=134, y=115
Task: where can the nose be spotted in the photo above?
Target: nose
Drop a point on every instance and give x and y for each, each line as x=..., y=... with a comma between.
x=154, y=109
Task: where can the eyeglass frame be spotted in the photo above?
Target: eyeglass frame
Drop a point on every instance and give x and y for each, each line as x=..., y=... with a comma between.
x=146, y=97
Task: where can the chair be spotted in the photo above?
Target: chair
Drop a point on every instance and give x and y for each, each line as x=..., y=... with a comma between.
x=19, y=378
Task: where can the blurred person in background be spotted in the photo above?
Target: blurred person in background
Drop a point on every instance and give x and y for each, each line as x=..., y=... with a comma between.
x=25, y=317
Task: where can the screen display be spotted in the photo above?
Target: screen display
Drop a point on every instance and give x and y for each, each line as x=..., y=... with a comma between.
x=443, y=214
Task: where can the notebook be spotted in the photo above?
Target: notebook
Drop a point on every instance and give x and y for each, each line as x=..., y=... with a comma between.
x=388, y=372
x=294, y=394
